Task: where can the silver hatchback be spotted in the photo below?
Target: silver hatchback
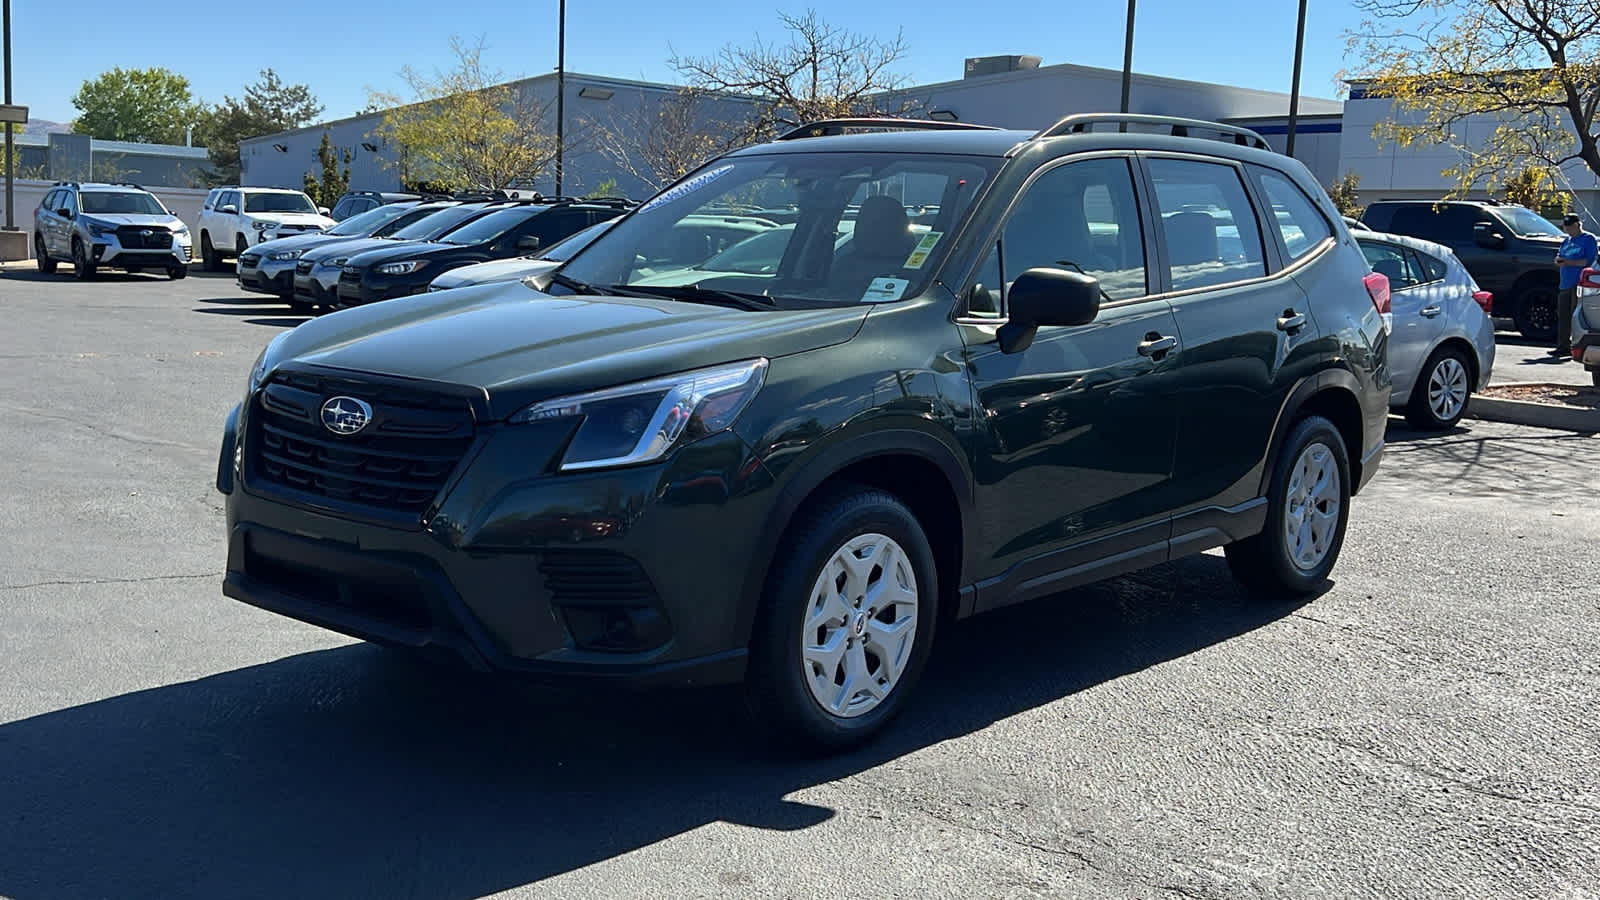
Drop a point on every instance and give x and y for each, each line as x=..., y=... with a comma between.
x=1442, y=346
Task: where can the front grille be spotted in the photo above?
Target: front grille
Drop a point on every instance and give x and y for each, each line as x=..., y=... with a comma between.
x=351, y=277
x=303, y=267
x=134, y=237
x=397, y=464
x=250, y=260
x=297, y=227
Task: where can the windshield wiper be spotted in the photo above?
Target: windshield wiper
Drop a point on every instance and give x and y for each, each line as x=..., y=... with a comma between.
x=693, y=293
x=572, y=284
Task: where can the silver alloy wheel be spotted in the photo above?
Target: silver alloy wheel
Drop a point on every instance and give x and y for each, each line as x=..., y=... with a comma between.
x=860, y=625
x=1447, y=388
x=1311, y=511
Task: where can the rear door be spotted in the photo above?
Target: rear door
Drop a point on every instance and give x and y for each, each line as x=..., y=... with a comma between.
x=1073, y=455
x=1229, y=251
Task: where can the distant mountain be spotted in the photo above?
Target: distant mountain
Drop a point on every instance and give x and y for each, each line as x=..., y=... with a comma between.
x=44, y=126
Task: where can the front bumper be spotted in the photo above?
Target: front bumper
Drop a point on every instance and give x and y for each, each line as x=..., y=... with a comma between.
x=373, y=287
x=320, y=285
x=511, y=568
x=266, y=276
x=109, y=251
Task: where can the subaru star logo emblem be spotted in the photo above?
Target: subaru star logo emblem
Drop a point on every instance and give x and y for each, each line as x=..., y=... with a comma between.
x=147, y=232
x=345, y=415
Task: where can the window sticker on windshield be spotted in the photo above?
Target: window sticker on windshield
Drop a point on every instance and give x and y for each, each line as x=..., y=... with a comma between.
x=882, y=290
x=924, y=247
x=687, y=187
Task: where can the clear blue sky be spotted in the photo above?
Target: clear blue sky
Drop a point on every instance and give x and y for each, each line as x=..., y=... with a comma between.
x=342, y=48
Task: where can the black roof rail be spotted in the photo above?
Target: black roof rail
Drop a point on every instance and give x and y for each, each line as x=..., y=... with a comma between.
x=825, y=127
x=128, y=184
x=1081, y=123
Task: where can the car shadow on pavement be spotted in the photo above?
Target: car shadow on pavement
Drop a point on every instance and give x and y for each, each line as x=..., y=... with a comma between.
x=358, y=772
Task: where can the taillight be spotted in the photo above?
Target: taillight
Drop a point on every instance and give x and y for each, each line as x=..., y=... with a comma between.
x=1378, y=289
x=1485, y=300
x=1590, y=278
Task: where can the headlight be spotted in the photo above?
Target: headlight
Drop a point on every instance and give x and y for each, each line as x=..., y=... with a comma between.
x=335, y=263
x=285, y=254
x=402, y=268
x=258, y=371
x=263, y=226
x=640, y=422
x=181, y=229
x=99, y=229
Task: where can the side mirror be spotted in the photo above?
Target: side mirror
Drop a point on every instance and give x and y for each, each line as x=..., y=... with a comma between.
x=64, y=213
x=1484, y=235
x=1046, y=297
x=230, y=210
x=324, y=210
x=528, y=244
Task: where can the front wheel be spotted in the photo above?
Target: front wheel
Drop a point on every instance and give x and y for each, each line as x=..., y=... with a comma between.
x=178, y=271
x=1536, y=313
x=1308, y=506
x=211, y=261
x=81, y=266
x=303, y=307
x=1595, y=375
x=1439, y=398
x=846, y=623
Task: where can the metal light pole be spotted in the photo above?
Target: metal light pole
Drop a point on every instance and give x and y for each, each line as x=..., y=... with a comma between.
x=5, y=39
x=561, y=94
x=1127, y=60
x=1294, y=92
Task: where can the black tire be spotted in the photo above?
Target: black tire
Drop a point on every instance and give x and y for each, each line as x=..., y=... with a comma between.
x=1595, y=376
x=1535, y=315
x=178, y=272
x=1450, y=367
x=45, y=262
x=209, y=259
x=777, y=694
x=303, y=307
x=239, y=248
x=1263, y=563
x=82, y=268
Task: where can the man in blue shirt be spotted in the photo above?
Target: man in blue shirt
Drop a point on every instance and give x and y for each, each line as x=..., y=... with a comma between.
x=1576, y=254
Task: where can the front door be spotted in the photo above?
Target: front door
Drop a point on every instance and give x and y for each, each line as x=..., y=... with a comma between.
x=1074, y=449
x=1417, y=302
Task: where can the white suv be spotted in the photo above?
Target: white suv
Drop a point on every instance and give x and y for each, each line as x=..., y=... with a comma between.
x=235, y=219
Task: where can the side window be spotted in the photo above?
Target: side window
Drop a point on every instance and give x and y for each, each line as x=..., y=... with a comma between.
x=69, y=200
x=51, y=201
x=1451, y=223
x=1397, y=264
x=1080, y=216
x=1299, y=221
x=1432, y=267
x=1208, y=223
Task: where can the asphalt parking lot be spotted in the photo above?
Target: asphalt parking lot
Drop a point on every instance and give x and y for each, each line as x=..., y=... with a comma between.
x=1424, y=728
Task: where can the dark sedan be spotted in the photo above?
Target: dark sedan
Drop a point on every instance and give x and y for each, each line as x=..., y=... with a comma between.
x=400, y=271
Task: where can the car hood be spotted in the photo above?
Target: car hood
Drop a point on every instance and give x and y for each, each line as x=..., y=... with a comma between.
x=496, y=270
x=393, y=250
x=133, y=219
x=348, y=247
x=292, y=218
x=519, y=346
x=303, y=242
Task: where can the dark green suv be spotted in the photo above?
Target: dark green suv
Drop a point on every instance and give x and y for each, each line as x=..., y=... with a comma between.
x=982, y=367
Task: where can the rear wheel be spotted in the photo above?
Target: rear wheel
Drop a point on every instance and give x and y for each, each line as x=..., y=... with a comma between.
x=45, y=262
x=1536, y=313
x=846, y=623
x=209, y=258
x=1439, y=398
x=81, y=266
x=1308, y=506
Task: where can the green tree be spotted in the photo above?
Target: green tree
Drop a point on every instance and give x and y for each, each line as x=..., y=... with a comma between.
x=327, y=190
x=1344, y=194
x=268, y=106
x=821, y=71
x=151, y=106
x=1534, y=188
x=1527, y=69
x=465, y=128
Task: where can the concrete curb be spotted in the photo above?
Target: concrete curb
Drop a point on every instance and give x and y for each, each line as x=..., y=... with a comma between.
x=1538, y=415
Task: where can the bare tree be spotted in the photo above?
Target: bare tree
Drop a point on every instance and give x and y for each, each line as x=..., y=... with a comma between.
x=821, y=71
x=1531, y=68
x=658, y=143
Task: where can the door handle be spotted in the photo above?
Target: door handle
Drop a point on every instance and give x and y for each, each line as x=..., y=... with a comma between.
x=1291, y=321
x=1154, y=345
x=1431, y=311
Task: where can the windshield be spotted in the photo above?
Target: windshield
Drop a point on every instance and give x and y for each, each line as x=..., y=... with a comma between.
x=431, y=227
x=120, y=202
x=567, y=247
x=1526, y=222
x=368, y=222
x=832, y=228
x=282, y=203
x=492, y=226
